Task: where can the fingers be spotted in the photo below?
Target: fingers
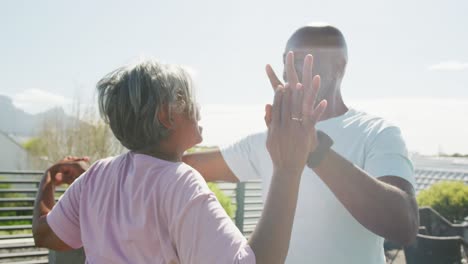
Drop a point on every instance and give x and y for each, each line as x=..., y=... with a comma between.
x=297, y=99
x=268, y=109
x=315, y=88
x=63, y=175
x=276, y=111
x=318, y=111
x=75, y=158
x=58, y=177
x=310, y=95
x=84, y=165
x=307, y=71
x=286, y=105
x=274, y=80
x=313, y=115
x=291, y=73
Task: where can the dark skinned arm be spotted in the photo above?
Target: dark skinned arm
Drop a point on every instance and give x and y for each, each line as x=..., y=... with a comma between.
x=386, y=205
x=63, y=172
x=211, y=166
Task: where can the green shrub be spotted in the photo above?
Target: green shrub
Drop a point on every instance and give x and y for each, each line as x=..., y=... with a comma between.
x=223, y=199
x=13, y=213
x=449, y=198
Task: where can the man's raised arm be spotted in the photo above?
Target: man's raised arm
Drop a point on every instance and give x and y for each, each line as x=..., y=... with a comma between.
x=211, y=165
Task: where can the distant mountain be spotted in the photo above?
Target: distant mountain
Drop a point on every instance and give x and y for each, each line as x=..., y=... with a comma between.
x=18, y=123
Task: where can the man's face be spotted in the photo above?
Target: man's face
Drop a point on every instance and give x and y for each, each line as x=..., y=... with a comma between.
x=326, y=60
x=299, y=55
x=329, y=63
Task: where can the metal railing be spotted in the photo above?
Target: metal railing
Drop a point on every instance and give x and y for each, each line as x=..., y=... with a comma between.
x=18, y=191
x=247, y=196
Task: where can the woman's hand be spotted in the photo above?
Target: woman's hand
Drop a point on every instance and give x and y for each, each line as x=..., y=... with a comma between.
x=292, y=117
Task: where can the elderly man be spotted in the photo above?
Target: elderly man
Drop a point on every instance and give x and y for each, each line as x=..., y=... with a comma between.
x=357, y=188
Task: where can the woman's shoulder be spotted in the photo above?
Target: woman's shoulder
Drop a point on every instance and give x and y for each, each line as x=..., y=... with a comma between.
x=189, y=177
x=180, y=186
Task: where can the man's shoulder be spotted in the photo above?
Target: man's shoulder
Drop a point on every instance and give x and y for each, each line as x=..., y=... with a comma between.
x=359, y=126
x=257, y=137
x=368, y=123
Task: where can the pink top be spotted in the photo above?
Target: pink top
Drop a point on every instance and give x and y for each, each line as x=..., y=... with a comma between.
x=135, y=208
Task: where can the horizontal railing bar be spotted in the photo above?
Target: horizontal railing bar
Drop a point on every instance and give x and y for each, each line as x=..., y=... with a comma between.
x=17, y=236
x=18, y=245
x=28, y=190
x=22, y=172
x=38, y=253
x=259, y=201
x=15, y=227
x=12, y=181
x=13, y=209
x=252, y=209
x=252, y=194
x=15, y=218
x=21, y=199
x=253, y=215
x=36, y=261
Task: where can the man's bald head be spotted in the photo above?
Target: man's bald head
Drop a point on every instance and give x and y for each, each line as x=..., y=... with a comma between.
x=322, y=37
x=328, y=46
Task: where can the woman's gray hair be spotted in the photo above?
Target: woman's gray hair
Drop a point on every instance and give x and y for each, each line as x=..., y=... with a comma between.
x=131, y=97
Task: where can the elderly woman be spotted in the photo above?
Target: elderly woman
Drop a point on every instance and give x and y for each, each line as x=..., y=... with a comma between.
x=146, y=206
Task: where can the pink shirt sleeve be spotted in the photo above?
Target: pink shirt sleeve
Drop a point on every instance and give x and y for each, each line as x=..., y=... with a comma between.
x=64, y=217
x=200, y=229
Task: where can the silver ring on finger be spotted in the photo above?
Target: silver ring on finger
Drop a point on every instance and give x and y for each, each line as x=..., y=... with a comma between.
x=299, y=119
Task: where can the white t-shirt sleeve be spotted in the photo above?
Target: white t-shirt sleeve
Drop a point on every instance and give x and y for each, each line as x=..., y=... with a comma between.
x=200, y=229
x=244, y=156
x=387, y=155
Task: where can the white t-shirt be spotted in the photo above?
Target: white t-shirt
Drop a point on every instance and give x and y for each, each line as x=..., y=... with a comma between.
x=324, y=231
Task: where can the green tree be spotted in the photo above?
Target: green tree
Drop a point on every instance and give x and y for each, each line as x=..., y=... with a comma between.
x=35, y=146
x=449, y=198
x=81, y=134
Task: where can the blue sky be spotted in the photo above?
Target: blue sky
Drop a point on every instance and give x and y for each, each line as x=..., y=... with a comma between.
x=54, y=51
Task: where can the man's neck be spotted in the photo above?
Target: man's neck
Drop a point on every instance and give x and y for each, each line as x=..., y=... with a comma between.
x=335, y=107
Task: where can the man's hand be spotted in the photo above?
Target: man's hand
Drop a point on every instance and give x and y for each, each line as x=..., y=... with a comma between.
x=292, y=118
x=64, y=171
x=68, y=169
x=291, y=74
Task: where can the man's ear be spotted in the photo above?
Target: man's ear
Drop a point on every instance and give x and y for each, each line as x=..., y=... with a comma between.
x=164, y=118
